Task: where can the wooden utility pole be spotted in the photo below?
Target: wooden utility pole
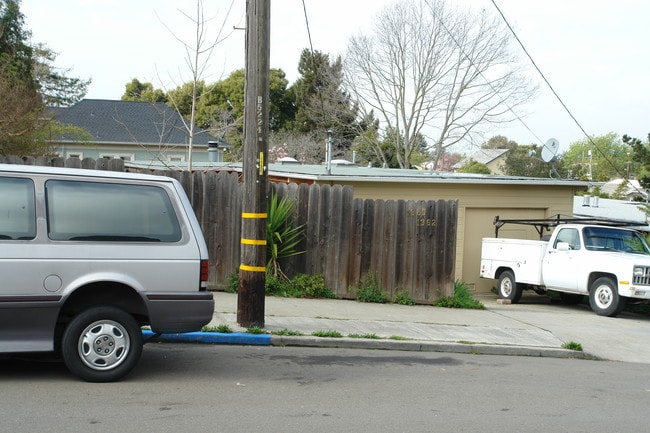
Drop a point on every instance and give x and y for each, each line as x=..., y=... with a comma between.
x=252, y=271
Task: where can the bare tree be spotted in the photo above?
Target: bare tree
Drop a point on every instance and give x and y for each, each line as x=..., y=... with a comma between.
x=433, y=71
x=197, y=57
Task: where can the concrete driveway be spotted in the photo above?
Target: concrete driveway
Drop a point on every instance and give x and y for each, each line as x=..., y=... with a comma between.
x=622, y=338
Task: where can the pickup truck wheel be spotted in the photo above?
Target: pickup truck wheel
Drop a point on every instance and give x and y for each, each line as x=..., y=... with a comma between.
x=508, y=288
x=101, y=344
x=604, y=298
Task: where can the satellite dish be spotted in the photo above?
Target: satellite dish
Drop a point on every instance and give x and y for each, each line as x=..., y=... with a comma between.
x=550, y=150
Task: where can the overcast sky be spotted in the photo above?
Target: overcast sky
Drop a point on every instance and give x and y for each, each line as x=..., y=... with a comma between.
x=595, y=53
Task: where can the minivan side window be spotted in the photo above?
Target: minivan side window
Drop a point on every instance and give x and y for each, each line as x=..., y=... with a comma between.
x=17, y=209
x=112, y=212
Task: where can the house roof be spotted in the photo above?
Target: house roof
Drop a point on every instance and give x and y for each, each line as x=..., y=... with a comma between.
x=354, y=173
x=631, y=189
x=127, y=122
x=483, y=156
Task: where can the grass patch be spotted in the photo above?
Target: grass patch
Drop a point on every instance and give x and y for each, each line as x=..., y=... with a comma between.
x=399, y=338
x=327, y=334
x=462, y=298
x=255, y=330
x=368, y=336
x=288, y=332
x=572, y=345
x=223, y=329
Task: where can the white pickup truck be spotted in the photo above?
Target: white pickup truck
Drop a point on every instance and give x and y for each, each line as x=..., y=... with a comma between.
x=609, y=264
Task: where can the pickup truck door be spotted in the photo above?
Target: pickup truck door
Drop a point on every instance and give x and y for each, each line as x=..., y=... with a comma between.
x=562, y=260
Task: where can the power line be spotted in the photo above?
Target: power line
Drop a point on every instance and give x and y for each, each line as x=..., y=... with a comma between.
x=311, y=46
x=609, y=161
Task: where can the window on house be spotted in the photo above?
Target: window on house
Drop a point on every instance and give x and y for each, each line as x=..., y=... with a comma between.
x=122, y=156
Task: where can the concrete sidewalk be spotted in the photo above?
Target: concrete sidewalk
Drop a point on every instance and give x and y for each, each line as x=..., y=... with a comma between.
x=532, y=328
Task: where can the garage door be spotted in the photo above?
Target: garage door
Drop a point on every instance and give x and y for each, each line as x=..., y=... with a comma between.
x=479, y=225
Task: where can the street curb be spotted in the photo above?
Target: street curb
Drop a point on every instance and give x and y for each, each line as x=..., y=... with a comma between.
x=428, y=346
x=243, y=338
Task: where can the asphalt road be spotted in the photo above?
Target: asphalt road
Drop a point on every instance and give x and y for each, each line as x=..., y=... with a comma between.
x=205, y=388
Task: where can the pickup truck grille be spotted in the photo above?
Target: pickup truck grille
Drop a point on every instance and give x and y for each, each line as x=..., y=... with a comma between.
x=642, y=280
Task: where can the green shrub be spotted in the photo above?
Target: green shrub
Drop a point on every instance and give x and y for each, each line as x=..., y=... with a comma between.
x=462, y=298
x=403, y=297
x=369, y=290
x=282, y=236
x=312, y=286
x=280, y=286
x=300, y=286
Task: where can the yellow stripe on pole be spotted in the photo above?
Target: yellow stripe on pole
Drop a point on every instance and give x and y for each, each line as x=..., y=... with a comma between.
x=261, y=163
x=252, y=268
x=253, y=215
x=253, y=241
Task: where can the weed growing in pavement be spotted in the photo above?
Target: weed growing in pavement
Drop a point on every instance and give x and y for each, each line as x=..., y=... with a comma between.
x=255, y=330
x=399, y=338
x=369, y=290
x=223, y=329
x=368, y=336
x=329, y=334
x=403, y=297
x=287, y=332
x=233, y=282
x=572, y=345
x=462, y=298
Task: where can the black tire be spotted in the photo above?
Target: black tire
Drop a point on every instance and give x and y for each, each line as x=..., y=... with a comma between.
x=508, y=288
x=571, y=298
x=604, y=299
x=101, y=344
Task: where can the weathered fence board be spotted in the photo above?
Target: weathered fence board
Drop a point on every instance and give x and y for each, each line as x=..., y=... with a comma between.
x=407, y=245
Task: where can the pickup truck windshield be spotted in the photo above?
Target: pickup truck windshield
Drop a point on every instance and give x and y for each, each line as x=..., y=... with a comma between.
x=611, y=239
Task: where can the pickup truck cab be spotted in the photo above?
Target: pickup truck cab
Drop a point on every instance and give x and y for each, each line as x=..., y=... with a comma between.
x=89, y=257
x=609, y=264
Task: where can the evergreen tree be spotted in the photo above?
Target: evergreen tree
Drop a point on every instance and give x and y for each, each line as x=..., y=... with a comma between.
x=320, y=103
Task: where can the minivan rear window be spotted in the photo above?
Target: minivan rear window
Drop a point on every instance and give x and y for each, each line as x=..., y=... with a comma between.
x=110, y=212
x=17, y=209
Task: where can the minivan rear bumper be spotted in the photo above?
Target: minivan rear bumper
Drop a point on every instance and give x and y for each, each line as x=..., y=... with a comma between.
x=179, y=312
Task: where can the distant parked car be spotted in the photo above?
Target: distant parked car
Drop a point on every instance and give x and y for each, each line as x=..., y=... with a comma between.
x=89, y=257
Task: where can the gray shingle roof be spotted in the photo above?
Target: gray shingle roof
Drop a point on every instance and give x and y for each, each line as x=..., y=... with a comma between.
x=128, y=122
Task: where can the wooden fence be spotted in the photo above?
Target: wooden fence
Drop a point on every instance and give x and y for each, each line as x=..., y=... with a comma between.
x=407, y=245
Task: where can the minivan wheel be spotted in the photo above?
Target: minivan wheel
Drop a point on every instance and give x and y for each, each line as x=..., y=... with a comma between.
x=101, y=344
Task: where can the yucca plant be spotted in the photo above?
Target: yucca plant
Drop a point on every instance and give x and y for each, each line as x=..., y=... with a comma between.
x=282, y=236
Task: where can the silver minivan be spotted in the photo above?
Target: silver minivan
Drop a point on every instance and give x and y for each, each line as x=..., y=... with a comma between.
x=89, y=257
